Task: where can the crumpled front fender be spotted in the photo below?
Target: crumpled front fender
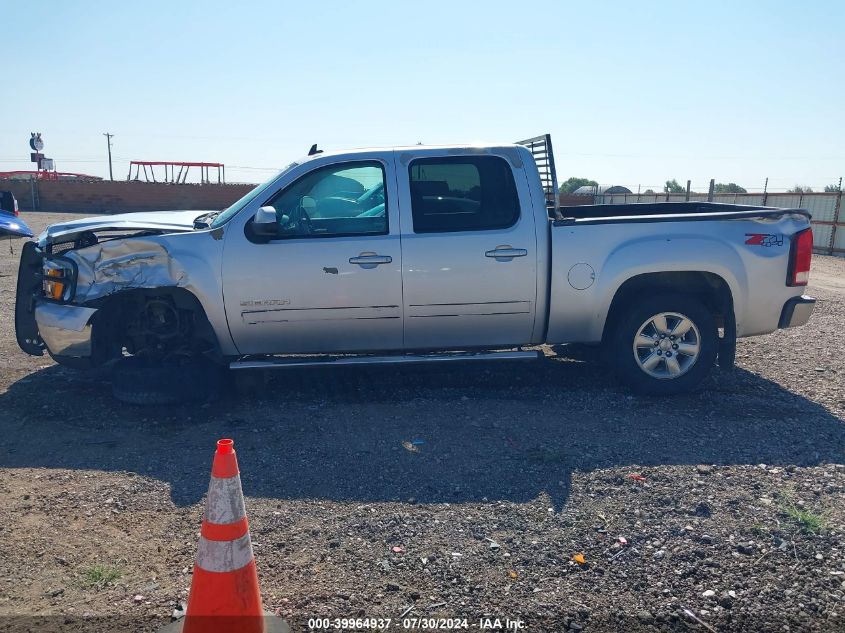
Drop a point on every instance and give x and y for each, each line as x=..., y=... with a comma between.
x=189, y=260
x=114, y=266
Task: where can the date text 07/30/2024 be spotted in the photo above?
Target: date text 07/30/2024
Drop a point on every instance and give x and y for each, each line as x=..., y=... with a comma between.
x=410, y=623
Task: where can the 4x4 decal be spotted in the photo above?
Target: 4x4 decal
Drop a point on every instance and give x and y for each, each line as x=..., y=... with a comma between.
x=763, y=239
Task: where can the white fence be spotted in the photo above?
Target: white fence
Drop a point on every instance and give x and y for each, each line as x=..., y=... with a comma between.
x=826, y=208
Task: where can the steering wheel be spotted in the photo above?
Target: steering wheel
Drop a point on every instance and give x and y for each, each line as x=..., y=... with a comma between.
x=296, y=222
x=304, y=220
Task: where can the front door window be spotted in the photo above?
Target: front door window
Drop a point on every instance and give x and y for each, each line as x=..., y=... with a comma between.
x=338, y=200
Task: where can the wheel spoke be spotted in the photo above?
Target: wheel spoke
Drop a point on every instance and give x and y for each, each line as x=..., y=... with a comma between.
x=660, y=324
x=688, y=349
x=682, y=327
x=672, y=366
x=667, y=345
x=651, y=361
x=644, y=341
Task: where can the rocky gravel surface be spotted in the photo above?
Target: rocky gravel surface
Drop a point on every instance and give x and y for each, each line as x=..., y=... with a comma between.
x=543, y=492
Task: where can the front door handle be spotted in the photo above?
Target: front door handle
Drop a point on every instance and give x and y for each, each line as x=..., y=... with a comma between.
x=370, y=260
x=506, y=253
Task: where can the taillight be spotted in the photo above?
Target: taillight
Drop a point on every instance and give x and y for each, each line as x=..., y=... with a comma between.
x=17, y=211
x=800, y=255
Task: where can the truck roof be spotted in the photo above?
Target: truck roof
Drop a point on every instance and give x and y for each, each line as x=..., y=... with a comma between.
x=539, y=147
x=411, y=148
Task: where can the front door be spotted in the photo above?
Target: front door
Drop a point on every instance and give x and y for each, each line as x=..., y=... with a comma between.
x=469, y=253
x=331, y=279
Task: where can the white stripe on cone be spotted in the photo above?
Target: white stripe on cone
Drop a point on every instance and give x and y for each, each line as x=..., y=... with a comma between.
x=224, y=555
x=225, y=502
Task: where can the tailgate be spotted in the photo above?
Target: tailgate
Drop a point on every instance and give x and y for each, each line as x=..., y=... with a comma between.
x=29, y=284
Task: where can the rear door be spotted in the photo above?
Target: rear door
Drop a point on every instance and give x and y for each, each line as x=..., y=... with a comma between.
x=469, y=252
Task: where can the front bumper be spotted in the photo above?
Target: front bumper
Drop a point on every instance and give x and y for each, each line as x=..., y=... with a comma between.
x=65, y=329
x=796, y=311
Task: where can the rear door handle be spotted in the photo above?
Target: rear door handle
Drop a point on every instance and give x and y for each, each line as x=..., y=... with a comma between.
x=370, y=260
x=506, y=253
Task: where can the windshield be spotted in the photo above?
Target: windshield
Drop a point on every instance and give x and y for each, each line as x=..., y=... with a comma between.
x=230, y=212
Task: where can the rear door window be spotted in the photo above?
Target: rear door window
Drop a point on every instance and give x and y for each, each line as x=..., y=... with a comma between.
x=462, y=193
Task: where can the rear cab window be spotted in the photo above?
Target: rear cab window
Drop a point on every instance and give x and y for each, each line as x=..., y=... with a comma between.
x=462, y=193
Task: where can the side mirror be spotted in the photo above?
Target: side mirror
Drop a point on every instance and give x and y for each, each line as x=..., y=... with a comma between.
x=265, y=223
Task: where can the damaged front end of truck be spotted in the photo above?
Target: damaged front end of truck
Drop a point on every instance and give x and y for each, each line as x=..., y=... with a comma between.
x=97, y=290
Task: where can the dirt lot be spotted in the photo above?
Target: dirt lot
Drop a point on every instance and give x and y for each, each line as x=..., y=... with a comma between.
x=489, y=479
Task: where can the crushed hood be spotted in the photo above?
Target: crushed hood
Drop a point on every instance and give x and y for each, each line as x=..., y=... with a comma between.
x=163, y=221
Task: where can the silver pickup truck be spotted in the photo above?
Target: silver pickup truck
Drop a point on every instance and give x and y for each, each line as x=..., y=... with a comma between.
x=417, y=254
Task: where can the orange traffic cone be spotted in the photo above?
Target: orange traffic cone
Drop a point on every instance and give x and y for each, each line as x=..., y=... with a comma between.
x=224, y=590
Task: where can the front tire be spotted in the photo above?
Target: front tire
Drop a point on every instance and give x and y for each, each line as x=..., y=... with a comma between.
x=664, y=345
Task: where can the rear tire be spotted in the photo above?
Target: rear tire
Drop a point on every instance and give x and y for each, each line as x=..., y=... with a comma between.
x=664, y=345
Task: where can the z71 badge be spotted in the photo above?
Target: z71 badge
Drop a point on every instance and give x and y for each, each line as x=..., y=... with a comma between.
x=763, y=239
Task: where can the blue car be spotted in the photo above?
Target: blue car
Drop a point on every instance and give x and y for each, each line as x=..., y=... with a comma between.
x=13, y=226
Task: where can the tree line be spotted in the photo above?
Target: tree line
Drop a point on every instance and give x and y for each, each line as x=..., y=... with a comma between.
x=673, y=186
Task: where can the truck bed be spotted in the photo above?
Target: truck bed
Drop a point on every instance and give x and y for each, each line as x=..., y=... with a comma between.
x=747, y=247
x=676, y=211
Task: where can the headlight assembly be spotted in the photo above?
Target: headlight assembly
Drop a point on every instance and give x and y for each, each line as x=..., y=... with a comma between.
x=59, y=279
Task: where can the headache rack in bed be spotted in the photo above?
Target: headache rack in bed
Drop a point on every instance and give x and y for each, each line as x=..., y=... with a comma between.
x=541, y=148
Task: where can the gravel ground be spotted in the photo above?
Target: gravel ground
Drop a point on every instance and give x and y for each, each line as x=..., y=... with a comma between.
x=455, y=492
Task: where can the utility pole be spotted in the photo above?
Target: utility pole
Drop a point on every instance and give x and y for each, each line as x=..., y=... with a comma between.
x=837, y=209
x=108, y=143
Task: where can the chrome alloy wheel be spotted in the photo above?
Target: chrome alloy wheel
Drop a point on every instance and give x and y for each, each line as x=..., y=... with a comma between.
x=667, y=345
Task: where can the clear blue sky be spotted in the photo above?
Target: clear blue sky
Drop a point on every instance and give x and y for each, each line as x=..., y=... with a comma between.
x=633, y=93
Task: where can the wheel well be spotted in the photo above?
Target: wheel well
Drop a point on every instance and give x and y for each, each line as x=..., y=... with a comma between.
x=709, y=288
x=166, y=320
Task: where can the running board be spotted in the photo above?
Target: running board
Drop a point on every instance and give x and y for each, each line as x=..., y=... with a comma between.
x=282, y=362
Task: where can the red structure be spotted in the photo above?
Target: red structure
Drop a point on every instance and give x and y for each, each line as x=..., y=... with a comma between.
x=170, y=174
